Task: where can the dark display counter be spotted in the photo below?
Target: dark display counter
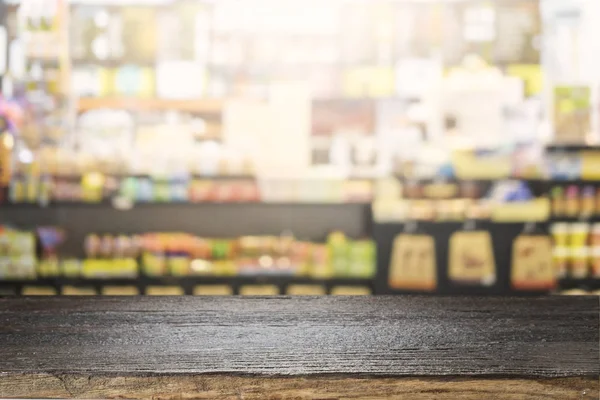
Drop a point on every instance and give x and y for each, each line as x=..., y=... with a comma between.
x=313, y=347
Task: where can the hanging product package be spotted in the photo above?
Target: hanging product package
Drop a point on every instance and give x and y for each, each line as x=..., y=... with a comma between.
x=532, y=267
x=413, y=263
x=472, y=258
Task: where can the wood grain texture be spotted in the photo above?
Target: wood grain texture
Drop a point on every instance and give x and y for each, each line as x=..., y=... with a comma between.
x=313, y=387
x=550, y=345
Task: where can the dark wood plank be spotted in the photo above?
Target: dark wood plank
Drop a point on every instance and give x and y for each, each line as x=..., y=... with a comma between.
x=543, y=337
x=550, y=343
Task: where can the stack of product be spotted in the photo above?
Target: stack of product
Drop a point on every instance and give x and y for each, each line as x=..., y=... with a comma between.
x=575, y=201
x=576, y=250
x=567, y=163
x=18, y=258
x=180, y=254
x=453, y=200
x=27, y=254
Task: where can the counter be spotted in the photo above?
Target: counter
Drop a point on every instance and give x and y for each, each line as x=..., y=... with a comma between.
x=296, y=347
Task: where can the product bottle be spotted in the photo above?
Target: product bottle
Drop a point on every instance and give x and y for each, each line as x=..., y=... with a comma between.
x=595, y=250
x=560, y=250
x=588, y=201
x=579, y=250
x=558, y=202
x=572, y=205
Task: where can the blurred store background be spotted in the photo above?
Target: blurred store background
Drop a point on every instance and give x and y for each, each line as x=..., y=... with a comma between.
x=300, y=147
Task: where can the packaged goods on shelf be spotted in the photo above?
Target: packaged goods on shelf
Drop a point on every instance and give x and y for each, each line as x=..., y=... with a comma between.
x=95, y=188
x=110, y=257
x=115, y=268
x=576, y=250
x=564, y=166
x=29, y=254
x=573, y=162
x=49, y=239
x=457, y=200
x=560, y=251
x=179, y=255
x=18, y=257
x=534, y=210
x=70, y=268
x=575, y=200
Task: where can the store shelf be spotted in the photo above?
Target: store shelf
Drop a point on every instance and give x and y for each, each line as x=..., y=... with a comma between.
x=162, y=178
x=196, y=280
x=538, y=181
x=482, y=223
x=554, y=148
x=576, y=182
x=593, y=219
x=502, y=237
x=188, y=282
x=109, y=204
x=467, y=291
x=138, y=104
x=455, y=180
x=308, y=221
x=538, y=186
x=585, y=283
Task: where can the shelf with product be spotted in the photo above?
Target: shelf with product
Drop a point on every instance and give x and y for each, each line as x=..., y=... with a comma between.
x=576, y=250
x=499, y=200
x=187, y=262
x=572, y=148
x=471, y=235
x=125, y=191
x=574, y=229
x=189, y=286
x=576, y=164
x=575, y=200
x=476, y=257
x=585, y=286
x=457, y=181
x=208, y=108
x=567, y=231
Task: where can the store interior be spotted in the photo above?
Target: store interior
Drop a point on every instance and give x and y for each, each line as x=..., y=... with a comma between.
x=300, y=147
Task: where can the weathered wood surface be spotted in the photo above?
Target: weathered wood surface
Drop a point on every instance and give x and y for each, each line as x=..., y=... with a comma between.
x=67, y=386
x=329, y=347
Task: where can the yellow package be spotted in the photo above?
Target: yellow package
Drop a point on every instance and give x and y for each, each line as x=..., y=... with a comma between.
x=532, y=267
x=413, y=263
x=472, y=258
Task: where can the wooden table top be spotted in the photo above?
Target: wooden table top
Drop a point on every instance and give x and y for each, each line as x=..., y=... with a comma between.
x=68, y=341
